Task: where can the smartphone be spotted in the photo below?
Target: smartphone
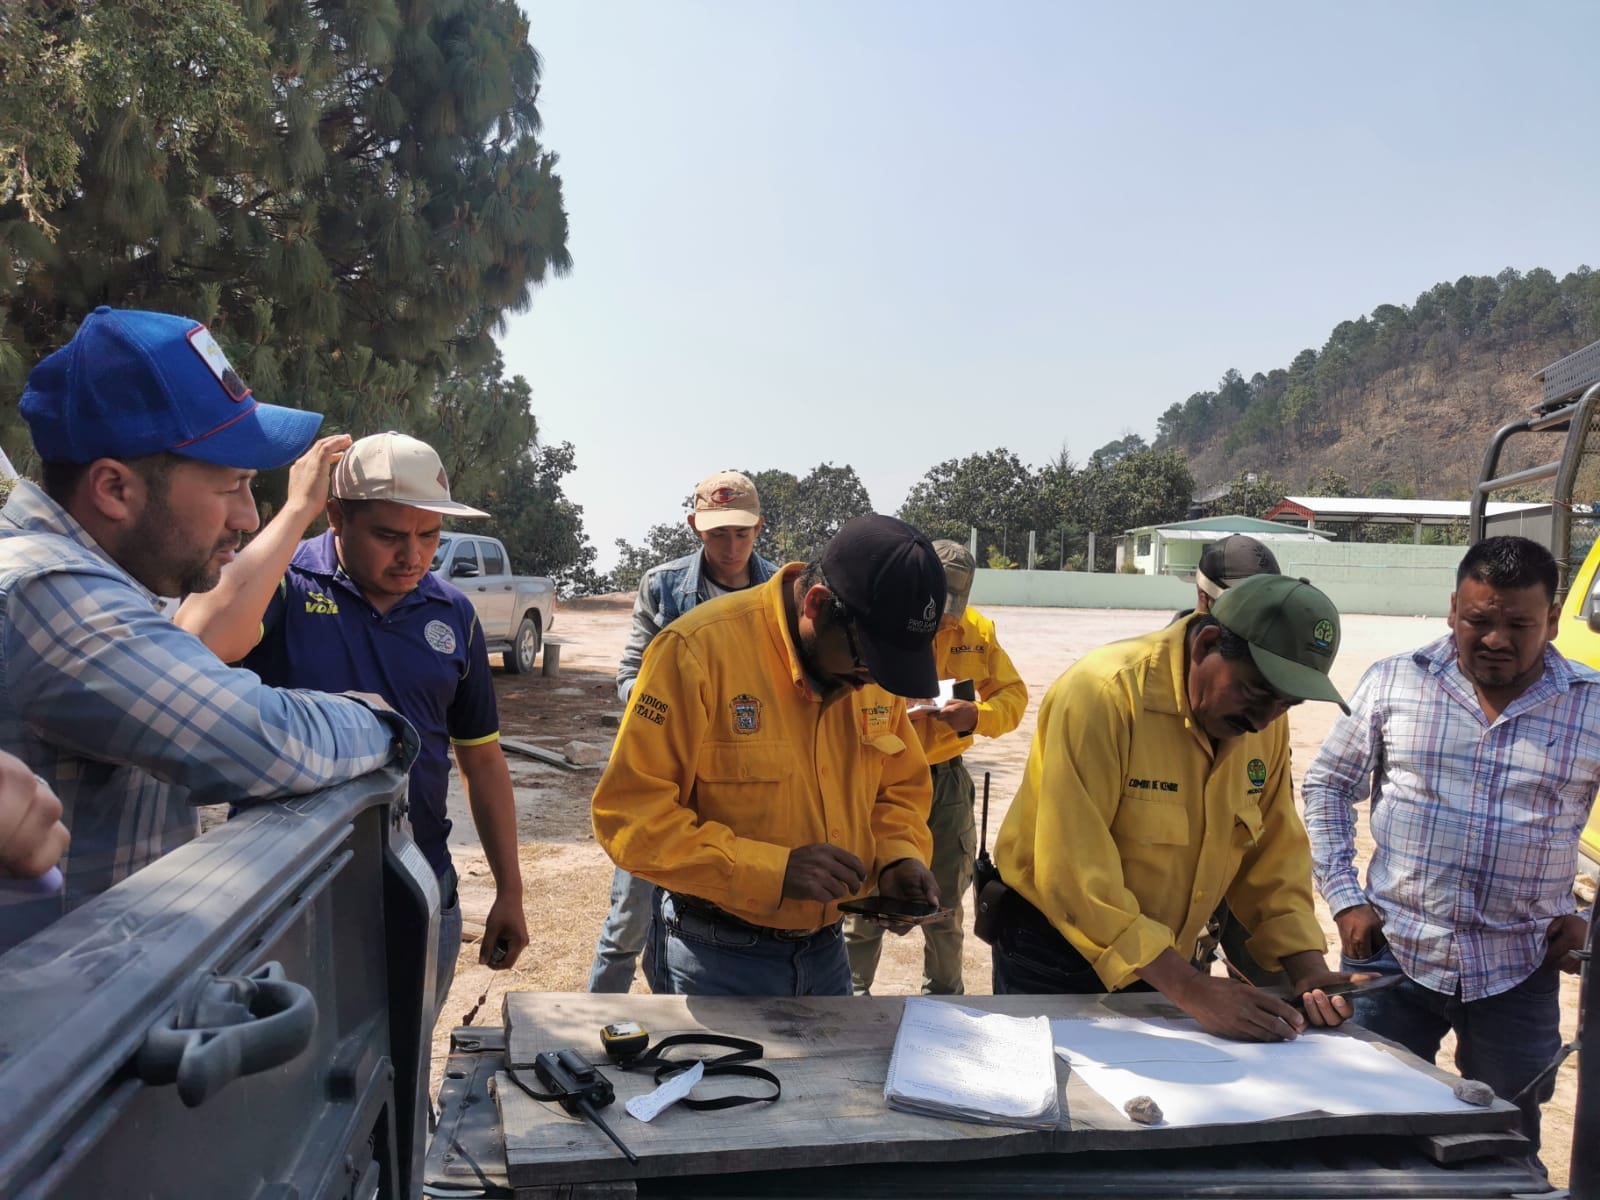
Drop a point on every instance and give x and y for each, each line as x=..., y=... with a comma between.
x=901, y=912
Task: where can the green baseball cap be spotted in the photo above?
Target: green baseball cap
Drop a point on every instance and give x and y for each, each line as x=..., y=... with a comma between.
x=1293, y=631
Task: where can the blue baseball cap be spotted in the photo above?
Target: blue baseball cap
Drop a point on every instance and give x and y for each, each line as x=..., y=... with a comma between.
x=133, y=383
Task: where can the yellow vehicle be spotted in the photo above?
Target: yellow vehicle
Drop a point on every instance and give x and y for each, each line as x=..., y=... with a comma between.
x=1569, y=416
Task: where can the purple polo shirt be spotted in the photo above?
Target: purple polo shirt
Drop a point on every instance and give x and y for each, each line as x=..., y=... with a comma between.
x=425, y=656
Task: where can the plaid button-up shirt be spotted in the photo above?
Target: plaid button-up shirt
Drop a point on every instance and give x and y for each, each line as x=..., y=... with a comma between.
x=1476, y=824
x=131, y=720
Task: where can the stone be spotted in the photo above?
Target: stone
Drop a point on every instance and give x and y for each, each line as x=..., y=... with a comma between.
x=586, y=754
x=610, y=720
x=1473, y=1091
x=1142, y=1110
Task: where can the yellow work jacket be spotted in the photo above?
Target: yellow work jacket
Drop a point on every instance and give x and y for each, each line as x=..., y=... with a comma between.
x=1129, y=827
x=968, y=650
x=727, y=759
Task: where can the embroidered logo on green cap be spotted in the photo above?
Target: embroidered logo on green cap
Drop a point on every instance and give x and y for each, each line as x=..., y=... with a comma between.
x=1323, y=634
x=1257, y=770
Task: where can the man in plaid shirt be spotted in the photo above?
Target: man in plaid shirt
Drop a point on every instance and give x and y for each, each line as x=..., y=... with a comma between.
x=1481, y=753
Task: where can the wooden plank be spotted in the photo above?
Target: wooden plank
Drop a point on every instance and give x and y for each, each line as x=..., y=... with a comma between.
x=1447, y=1149
x=832, y=1054
x=553, y=758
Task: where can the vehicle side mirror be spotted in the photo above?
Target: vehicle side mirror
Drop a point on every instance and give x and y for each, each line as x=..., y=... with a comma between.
x=463, y=570
x=1594, y=607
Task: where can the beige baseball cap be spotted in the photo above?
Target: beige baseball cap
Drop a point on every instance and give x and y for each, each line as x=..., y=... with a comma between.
x=726, y=498
x=959, y=569
x=391, y=466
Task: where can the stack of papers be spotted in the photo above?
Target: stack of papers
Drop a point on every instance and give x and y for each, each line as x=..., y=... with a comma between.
x=951, y=1061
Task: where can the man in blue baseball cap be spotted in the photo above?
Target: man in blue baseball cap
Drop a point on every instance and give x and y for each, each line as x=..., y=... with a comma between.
x=150, y=442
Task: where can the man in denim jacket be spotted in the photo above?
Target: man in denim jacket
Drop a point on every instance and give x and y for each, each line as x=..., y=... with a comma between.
x=727, y=520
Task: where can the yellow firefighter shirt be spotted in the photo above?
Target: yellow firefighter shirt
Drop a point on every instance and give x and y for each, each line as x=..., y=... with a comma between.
x=968, y=650
x=727, y=759
x=1129, y=828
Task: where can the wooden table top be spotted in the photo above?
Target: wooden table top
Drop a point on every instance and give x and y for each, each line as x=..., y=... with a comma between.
x=831, y=1055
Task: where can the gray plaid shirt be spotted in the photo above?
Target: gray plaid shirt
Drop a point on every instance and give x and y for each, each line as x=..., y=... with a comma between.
x=131, y=720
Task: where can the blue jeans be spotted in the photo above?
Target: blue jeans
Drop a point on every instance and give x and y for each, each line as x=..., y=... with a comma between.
x=449, y=938
x=623, y=935
x=692, y=954
x=1503, y=1040
x=1029, y=957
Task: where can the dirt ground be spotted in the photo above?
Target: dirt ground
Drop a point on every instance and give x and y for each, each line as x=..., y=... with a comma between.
x=566, y=877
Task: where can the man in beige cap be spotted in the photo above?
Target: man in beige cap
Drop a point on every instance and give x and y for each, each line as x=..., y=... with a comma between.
x=359, y=609
x=726, y=517
x=965, y=649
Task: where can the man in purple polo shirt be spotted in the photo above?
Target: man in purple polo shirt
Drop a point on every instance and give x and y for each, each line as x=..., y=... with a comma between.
x=359, y=608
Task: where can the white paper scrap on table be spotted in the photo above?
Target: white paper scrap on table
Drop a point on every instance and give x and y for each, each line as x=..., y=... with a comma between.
x=651, y=1105
x=1256, y=1081
x=958, y=1062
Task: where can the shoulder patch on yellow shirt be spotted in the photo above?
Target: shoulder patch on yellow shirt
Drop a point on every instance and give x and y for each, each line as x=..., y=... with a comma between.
x=746, y=713
x=651, y=709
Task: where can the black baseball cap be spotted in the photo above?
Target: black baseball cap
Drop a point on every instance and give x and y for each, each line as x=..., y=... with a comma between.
x=1234, y=558
x=892, y=585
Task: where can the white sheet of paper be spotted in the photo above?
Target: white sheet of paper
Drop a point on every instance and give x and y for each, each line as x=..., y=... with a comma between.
x=946, y=694
x=1119, y=1041
x=651, y=1105
x=1259, y=1081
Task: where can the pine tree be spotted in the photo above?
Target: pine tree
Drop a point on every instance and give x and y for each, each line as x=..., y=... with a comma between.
x=354, y=209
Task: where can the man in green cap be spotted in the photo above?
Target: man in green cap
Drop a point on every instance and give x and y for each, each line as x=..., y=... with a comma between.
x=1157, y=785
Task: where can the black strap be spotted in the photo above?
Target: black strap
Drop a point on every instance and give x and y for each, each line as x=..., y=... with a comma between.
x=736, y=1062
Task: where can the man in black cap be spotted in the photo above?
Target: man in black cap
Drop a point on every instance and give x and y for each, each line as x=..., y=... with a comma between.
x=766, y=768
x=1237, y=556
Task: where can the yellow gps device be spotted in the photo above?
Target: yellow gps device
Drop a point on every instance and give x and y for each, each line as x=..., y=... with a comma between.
x=623, y=1040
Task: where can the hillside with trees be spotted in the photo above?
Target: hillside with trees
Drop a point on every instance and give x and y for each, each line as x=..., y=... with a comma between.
x=1399, y=402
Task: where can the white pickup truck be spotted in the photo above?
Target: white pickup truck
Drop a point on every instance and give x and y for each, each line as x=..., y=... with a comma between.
x=515, y=610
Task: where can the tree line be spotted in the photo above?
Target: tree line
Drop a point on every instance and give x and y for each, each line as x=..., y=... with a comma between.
x=1123, y=485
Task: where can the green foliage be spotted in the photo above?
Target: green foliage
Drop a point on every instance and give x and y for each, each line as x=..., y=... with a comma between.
x=180, y=69
x=1327, y=482
x=350, y=192
x=542, y=529
x=1146, y=488
x=995, y=560
x=1128, y=443
x=994, y=491
x=1121, y=487
x=803, y=514
x=662, y=543
x=1252, y=494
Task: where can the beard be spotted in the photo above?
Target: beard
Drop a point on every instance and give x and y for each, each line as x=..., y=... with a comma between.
x=156, y=553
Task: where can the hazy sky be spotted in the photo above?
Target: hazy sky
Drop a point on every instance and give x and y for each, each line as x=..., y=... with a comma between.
x=888, y=234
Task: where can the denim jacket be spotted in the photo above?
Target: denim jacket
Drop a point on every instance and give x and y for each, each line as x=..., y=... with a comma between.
x=666, y=591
